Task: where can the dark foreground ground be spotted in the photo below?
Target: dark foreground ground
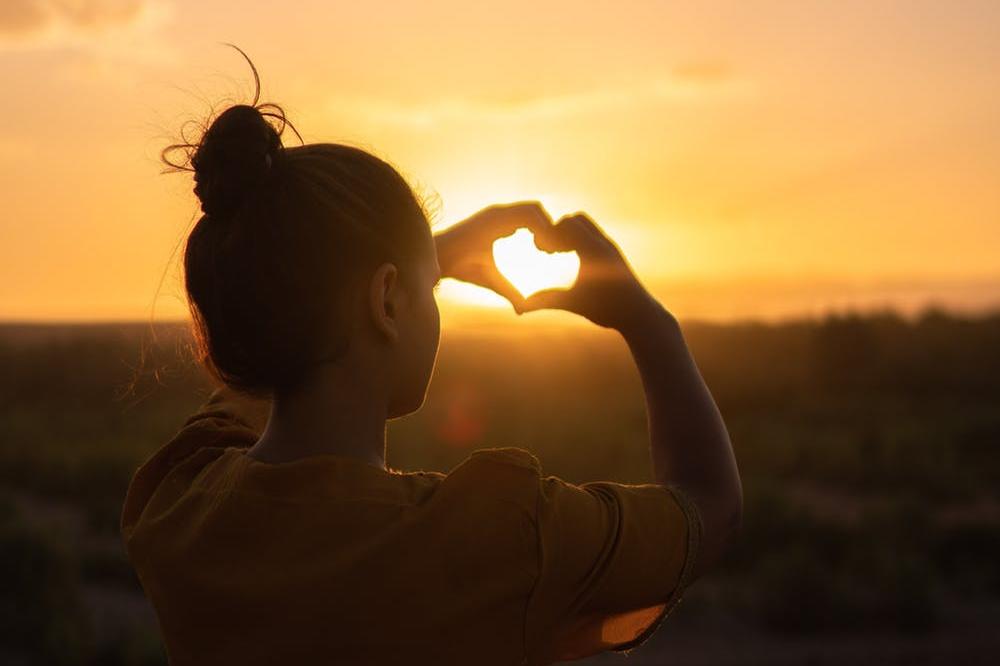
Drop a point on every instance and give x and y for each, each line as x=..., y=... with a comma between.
x=869, y=448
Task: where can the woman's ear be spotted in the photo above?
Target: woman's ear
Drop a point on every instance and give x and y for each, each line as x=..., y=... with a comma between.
x=384, y=300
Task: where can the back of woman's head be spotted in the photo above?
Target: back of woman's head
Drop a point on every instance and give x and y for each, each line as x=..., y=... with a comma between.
x=287, y=238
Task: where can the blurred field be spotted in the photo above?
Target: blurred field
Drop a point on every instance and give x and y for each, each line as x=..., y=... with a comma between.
x=869, y=448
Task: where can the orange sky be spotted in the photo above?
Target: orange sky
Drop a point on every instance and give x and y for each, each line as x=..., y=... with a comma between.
x=756, y=159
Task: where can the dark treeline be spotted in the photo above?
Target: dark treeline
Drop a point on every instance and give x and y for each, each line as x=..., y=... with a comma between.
x=868, y=445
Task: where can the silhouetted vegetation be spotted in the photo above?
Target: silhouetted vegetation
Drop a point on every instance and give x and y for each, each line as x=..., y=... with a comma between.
x=868, y=446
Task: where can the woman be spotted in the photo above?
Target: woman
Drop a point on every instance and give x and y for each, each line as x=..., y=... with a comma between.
x=269, y=529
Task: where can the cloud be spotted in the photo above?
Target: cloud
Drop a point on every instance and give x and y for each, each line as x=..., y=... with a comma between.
x=689, y=82
x=22, y=16
x=35, y=24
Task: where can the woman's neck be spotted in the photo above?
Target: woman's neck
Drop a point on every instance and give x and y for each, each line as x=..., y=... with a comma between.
x=338, y=412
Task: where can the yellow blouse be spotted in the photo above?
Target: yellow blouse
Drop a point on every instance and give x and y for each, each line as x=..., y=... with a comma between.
x=328, y=559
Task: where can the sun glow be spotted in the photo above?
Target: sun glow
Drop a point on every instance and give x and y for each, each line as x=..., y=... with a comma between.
x=531, y=270
x=463, y=293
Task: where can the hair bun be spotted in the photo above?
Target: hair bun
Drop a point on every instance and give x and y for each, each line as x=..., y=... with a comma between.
x=234, y=157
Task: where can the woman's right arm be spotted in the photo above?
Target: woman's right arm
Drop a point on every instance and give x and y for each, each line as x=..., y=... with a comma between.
x=689, y=444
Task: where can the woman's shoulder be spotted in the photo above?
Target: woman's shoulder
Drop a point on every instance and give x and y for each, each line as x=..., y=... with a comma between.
x=505, y=475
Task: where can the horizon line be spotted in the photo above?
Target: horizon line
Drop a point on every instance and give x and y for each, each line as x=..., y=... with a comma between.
x=469, y=320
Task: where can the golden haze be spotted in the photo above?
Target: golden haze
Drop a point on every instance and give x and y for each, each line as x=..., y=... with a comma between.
x=761, y=160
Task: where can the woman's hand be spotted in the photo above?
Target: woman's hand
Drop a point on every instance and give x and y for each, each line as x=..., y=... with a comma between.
x=606, y=290
x=465, y=250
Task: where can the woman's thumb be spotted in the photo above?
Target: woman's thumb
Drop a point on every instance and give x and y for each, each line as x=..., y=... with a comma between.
x=547, y=298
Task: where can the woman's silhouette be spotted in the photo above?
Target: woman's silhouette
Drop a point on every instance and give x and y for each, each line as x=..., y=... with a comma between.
x=269, y=529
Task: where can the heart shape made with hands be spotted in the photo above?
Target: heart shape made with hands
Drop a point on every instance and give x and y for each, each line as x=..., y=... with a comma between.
x=529, y=269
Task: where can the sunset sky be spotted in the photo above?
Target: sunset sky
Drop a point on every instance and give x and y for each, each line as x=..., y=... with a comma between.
x=753, y=159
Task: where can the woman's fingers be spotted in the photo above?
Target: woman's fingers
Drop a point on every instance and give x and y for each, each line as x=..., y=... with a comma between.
x=468, y=250
x=484, y=273
x=576, y=233
x=503, y=286
x=557, y=299
x=505, y=219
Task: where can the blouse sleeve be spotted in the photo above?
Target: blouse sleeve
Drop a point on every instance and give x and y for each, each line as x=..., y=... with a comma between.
x=613, y=561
